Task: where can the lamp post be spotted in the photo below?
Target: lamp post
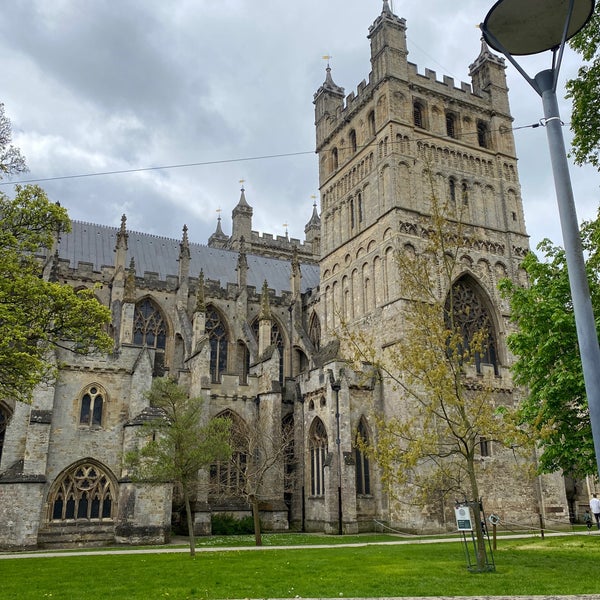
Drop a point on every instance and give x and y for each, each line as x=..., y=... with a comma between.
x=515, y=27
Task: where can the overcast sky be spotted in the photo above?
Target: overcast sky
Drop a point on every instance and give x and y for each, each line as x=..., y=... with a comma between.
x=107, y=85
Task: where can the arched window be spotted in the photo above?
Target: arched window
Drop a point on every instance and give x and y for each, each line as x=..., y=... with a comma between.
x=452, y=189
x=482, y=135
x=465, y=193
x=334, y=159
x=371, y=122
x=418, y=115
x=467, y=314
x=4, y=418
x=217, y=335
x=243, y=361
x=318, y=453
x=450, y=125
x=83, y=493
x=359, y=207
x=150, y=329
x=228, y=477
x=363, y=471
x=93, y=399
x=352, y=138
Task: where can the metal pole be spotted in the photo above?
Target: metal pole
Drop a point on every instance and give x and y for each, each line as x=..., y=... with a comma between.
x=580, y=292
x=336, y=388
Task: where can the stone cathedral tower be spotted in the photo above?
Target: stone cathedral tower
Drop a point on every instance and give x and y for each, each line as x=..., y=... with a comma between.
x=383, y=151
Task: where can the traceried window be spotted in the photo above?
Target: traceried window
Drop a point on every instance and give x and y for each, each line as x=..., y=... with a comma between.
x=363, y=471
x=470, y=317
x=84, y=493
x=4, y=418
x=219, y=340
x=92, y=406
x=228, y=477
x=149, y=328
x=318, y=453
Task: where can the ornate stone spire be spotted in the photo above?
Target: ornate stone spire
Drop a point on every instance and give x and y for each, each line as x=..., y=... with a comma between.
x=129, y=293
x=184, y=245
x=122, y=235
x=265, y=306
x=200, y=301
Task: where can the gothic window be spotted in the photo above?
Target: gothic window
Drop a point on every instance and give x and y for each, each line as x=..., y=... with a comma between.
x=84, y=493
x=466, y=313
x=363, y=471
x=371, y=122
x=217, y=335
x=4, y=418
x=318, y=453
x=314, y=331
x=352, y=136
x=451, y=125
x=92, y=406
x=228, y=477
x=243, y=362
x=149, y=328
x=452, y=189
x=482, y=134
x=418, y=119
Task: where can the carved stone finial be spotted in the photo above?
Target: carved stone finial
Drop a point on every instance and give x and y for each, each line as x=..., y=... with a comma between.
x=129, y=292
x=200, y=300
x=265, y=306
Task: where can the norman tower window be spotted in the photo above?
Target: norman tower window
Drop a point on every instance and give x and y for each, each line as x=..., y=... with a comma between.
x=418, y=116
x=371, y=123
x=334, y=159
x=352, y=138
x=451, y=125
x=84, y=493
x=318, y=453
x=452, y=189
x=92, y=406
x=482, y=135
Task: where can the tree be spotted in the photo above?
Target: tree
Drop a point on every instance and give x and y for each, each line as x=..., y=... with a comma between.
x=268, y=450
x=37, y=315
x=436, y=365
x=548, y=360
x=177, y=445
x=585, y=94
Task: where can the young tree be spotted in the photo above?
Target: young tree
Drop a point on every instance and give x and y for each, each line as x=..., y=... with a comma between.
x=435, y=365
x=267, y=451
x=548, y=360
x=585, y=94
x=36, y=314
x=177, y=445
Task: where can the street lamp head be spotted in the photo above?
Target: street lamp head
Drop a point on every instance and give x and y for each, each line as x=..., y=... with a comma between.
x=532, y=26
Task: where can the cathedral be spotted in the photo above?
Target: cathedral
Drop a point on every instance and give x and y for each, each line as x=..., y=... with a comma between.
x=248, y=322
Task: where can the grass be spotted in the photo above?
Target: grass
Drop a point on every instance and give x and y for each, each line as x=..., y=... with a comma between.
x=565, y=565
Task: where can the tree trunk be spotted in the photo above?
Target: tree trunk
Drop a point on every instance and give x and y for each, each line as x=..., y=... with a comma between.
x=256, y=517
x=479, y=535
x=190, y=523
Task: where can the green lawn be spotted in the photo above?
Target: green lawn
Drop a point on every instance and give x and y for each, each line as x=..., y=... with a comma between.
x=565, y=565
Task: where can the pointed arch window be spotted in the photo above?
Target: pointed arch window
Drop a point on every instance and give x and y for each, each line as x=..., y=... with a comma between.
x=93, y=400
x=314, y=331
x=467, y=314
x=318, y=454
x=219, y=340
x=149, y=328
x=84, y=493
x=363, y=470
x=228, y=477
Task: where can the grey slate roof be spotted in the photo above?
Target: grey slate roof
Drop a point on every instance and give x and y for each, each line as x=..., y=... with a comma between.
x=95, y=244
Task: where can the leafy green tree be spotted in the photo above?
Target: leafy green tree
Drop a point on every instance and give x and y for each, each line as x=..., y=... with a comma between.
x=548, y=360
x=433, y=445
x=177, y=445
x=37, y=315
x=584, y=91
